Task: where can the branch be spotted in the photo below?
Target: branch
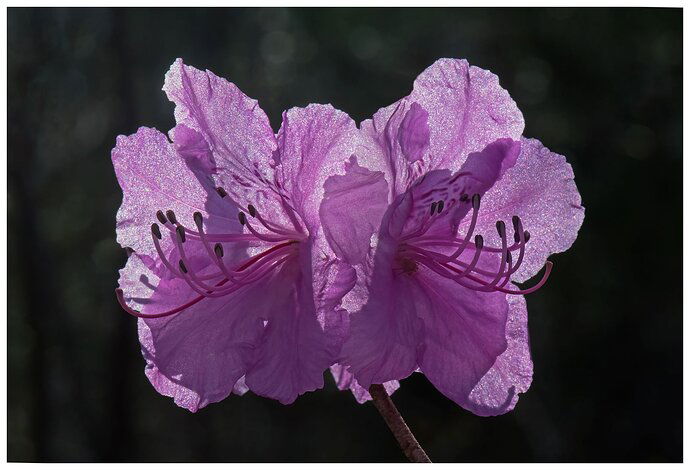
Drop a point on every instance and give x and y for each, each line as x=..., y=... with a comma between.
x=409, y=445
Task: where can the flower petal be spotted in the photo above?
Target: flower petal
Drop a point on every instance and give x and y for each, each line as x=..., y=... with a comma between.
x=153, y=177
x=498, y=391
x=385, y=333
x=313, y=143
x=294, y=351
x=464, y=333
x=344, y=380
x=468, y=109
x=540, y=189
x=351, y=210
x=454, y=109
x=198, y=355
x=236, y=129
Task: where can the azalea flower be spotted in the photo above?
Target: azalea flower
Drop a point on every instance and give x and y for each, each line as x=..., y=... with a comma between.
x=233, y=286
x=443, y=206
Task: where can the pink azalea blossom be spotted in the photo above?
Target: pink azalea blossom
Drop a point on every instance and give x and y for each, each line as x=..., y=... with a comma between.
x=233, y=287
x=442, y=206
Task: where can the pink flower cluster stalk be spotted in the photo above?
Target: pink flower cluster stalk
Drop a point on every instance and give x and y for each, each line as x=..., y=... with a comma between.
x=259, y=260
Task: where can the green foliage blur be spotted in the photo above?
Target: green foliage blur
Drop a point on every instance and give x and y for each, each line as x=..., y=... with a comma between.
x=601, y=86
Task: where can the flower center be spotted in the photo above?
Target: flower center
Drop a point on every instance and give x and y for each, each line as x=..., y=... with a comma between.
x=459, y=258
x=220, y=278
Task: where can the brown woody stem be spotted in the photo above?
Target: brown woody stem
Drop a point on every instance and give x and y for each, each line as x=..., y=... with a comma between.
x=409, y=445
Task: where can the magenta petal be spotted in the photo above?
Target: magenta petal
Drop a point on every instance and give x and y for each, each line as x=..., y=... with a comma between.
x=351, y=210
x=313, y=143
x=413, y=133
x=236, y=129
x=540, y=189
x=198, y=356
x=468, y=109
x=153, y=177
x=385, y=333
x=294, y=351
x=498, y=391
x=464, y=333
x=344, y=380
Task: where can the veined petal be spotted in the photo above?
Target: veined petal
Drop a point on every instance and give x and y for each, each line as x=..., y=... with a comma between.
x=197, y=356
x=468, y=109
x=236, y=129
x=454, y=109
x=498, y=391
x=153, y=177
x=464, y=333
x=313, y=144
x=385, y=333
x=294, y=351
x=540, y=189
x=351, y=210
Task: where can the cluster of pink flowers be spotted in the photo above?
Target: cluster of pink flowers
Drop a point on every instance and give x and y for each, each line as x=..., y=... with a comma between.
x=260, y=260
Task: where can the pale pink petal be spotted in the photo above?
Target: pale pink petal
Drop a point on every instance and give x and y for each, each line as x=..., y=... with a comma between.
x=344, y=380
x=313, y=144
x=539, y=189
x=395, y=141
x=498, y=391
x=237, y=132
x=468, y=109
x=153, y=177
x=351, y=210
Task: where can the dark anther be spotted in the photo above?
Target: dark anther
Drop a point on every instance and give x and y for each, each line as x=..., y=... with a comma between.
x=156, y=231
x=501, y=228
x=180, y=233
x=219, y=250
x=516, y=222
x=198, y=219
x=221, y=192
x=464, y=197
x=242, y=218
x=526, y=236
x=171, y=217
x=129, y=251
x=479, y=242
x=252, y=210
x=161, y=217
x=475, y=202
x=439, y=207
x=183, y=267
x=433, y=207
x=509, y=257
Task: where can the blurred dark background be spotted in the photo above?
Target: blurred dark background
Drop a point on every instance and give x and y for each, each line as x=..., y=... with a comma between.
x=601, y=86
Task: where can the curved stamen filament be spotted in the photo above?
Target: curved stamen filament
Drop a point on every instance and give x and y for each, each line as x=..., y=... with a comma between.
x=242, y=268
x=443, y=270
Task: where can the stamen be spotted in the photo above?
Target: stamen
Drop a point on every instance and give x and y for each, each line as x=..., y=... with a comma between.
x=218, y=249
x=180, y=234
x=221, y=192
x=161, y=217
x=242, y=218
x=252, y=210
x=156, y=231
x=433, y=207
x=198, y=220
x=439, y=207
x=171, y=216
x=183, y=268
